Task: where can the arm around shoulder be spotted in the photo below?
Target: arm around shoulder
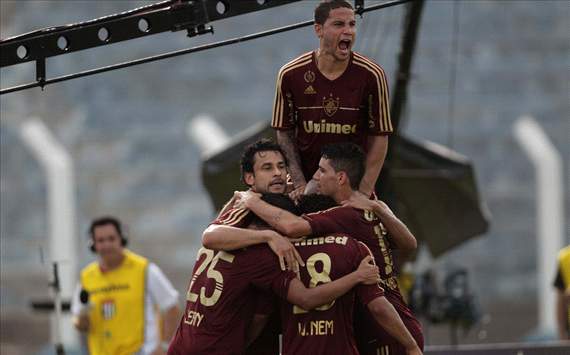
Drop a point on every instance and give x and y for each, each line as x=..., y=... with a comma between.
x=221, y=237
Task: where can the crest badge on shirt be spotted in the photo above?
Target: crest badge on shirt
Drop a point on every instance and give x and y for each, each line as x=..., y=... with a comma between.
x=309, y=76
x=331, y=105
x=108, y=309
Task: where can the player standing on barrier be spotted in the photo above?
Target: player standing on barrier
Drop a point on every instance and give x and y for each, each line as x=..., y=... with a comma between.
x=331, y=95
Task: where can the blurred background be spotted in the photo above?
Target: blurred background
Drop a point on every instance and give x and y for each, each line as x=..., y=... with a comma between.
x=479, y=66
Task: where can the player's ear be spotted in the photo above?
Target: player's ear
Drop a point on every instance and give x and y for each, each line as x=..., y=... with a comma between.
x=342, y=178
x=318, y=30
x=249, y=179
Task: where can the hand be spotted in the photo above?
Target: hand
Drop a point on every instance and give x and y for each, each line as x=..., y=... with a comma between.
x=368, y=273
x=289, y=258
x=243, y=199
x=81, y=322
x=295, y=195
x=358, y=200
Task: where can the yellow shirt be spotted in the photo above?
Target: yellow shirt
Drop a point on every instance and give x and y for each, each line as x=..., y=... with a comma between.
x=116, y=319
x=564, y=265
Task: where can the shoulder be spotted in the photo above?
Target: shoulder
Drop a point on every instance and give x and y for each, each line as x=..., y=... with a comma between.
x=337, y=214
x=136, y=258
x=564, y=254
x=296, y=64
x=90, y=269
x=235, y=217
x=367, y=64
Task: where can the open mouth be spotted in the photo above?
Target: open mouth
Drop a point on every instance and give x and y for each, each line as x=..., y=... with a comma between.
x=277, y=183
x=344, y=45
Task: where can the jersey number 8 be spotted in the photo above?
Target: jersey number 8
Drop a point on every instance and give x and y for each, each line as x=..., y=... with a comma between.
x=317, y=277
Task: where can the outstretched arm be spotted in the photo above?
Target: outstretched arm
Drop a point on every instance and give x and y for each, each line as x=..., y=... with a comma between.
x=399, y=232
x=309, y=298
x=283, y=221
x=388, y=318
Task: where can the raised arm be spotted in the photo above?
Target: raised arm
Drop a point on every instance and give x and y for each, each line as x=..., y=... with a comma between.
x=399, y=232
x=388, y=318
x=309, y=298
x=377, y=149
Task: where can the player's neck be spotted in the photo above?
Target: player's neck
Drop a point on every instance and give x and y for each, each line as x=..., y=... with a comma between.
x=342, y=194
x=329, y=66
x=111, y=263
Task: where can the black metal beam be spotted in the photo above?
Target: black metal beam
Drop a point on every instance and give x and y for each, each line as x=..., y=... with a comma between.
x=236, y=7
x=172, y=15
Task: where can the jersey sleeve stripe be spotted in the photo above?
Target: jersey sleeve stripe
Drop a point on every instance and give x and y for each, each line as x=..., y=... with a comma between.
x=378, y=72
x=234, y=217
x=279, y=102
x=381, y=82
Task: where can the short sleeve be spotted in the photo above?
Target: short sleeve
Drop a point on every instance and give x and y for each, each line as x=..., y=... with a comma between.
x=161, y=291
x=267, y=273
x=377, y=100
x=76, y=305
x=283, y=104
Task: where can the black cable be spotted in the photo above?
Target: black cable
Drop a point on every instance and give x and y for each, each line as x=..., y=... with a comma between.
x=184, y=51
x=452, y=85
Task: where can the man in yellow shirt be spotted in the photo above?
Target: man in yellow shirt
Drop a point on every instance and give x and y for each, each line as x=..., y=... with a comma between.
x=116, y=301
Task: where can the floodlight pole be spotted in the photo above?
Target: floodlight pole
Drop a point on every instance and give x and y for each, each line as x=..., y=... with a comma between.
x=550, y=211
x=60, y=182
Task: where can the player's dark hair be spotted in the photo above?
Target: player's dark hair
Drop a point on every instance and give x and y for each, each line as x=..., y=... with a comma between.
x=248, y=156
x=315, y=202
x=347, y=157
x=323, y=10
x=278, y=200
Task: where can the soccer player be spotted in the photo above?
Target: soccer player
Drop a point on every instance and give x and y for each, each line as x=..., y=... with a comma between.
x=223, y=289
x=340, y=169
x=264, y=170
x=330, y=95
x=328, y=329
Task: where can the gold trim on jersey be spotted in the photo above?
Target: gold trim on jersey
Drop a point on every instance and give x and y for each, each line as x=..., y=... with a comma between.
x=234, y=216
x=321, y=107
x=278, y=103
x=381, y=82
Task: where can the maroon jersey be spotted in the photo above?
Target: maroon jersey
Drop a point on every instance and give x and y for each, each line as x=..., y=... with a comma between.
x=220, y=301
x=349, y=108
x=235, y=217
x=366, y=227
x=326, y=329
